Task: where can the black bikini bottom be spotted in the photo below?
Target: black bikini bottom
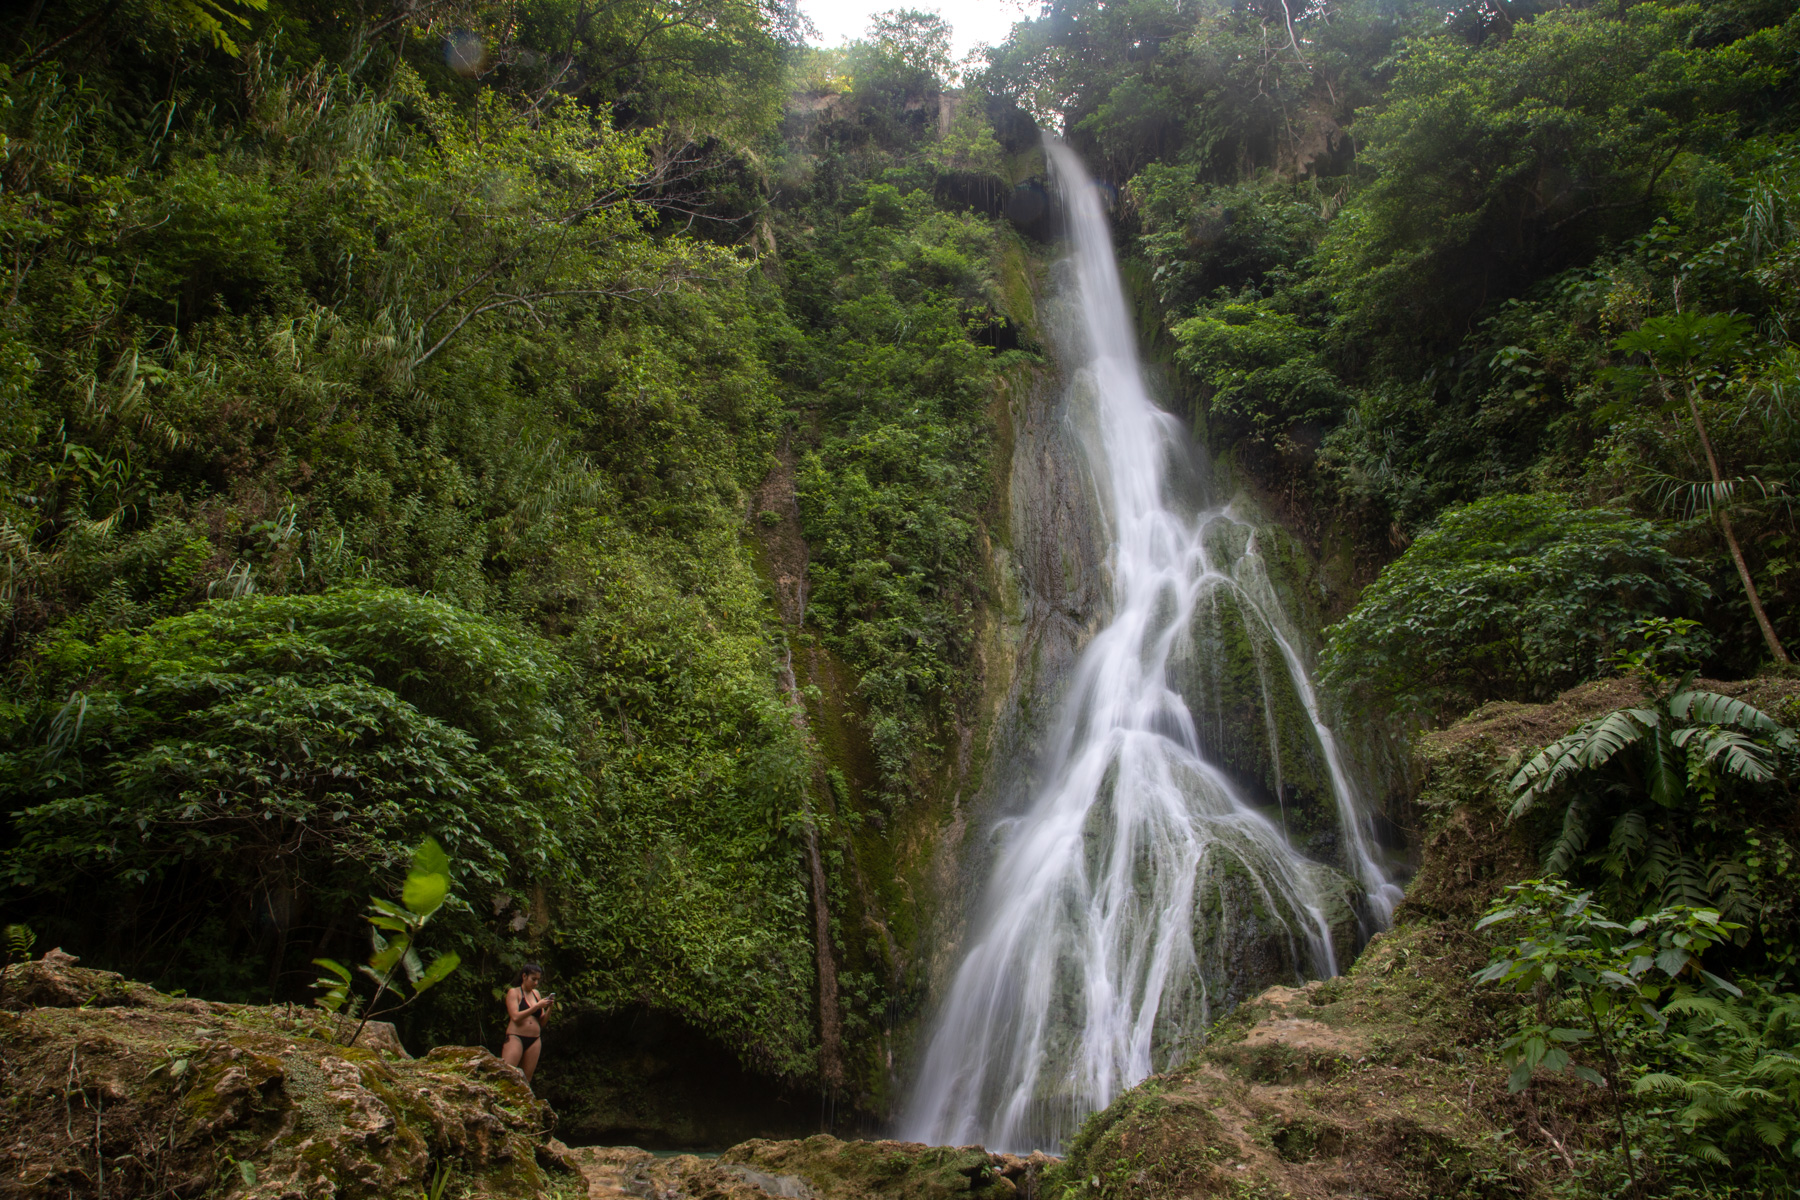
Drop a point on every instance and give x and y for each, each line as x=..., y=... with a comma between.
x=525, y=1043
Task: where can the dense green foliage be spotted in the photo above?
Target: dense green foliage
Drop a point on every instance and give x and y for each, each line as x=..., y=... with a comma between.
x=1512, y=597
x=1401, y=249
x=255, y=736
x=381, y=398
x=1727, y=1085
x=888, y=499
x=1717, y=1061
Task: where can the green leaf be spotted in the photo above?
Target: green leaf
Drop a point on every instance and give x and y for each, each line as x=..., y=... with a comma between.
x=429, y=858
x=440, y=967
x=247, y=1172
x=1588, y=1075
x=384, y=959
x=1520, y=1079
x=1673, y=961
x=425, y=892
x=335, y=967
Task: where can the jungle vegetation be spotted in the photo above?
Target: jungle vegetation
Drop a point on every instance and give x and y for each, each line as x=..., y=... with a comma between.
x=386, y=393
x=1496, y=300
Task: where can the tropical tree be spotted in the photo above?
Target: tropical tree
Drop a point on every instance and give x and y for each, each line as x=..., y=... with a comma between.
x=1690, y=346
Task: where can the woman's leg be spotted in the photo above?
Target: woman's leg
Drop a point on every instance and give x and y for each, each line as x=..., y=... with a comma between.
x=529, y=1063
x=509, y=1052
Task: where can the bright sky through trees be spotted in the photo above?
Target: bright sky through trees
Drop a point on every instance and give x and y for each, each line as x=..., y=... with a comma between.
x=973, y=21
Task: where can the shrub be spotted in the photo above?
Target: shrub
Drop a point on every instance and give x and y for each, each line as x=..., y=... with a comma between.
x=1511, y=597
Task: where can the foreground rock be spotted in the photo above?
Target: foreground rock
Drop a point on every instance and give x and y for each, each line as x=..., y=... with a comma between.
x=111, y=1089
x=814, y=1168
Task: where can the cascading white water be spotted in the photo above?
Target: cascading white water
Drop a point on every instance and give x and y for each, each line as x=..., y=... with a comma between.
x=1140, y=877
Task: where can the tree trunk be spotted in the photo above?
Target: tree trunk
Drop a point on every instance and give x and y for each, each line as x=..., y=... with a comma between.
x=1718, y=507
x=831, y=1035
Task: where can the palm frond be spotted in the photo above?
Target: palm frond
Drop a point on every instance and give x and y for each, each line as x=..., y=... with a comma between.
x=1728, y=751
x=1572, y=840
x=1710, y=708
x=1665, y=769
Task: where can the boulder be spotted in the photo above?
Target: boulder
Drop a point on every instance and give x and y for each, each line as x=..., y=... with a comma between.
x=112, y=1089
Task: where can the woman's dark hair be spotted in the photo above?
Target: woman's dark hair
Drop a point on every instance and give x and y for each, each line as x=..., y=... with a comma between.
x=527, y=969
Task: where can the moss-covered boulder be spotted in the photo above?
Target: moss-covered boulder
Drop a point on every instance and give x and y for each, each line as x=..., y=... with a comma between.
x=1232, y=667
x=112, y=1089
x=814, y=1168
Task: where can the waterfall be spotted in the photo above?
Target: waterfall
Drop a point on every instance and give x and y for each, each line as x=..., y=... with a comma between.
x=1141, y=884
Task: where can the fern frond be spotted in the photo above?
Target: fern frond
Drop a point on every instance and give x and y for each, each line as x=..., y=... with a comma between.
x=1660, y=856
x=1572, y=840
x=1685, y=883
x=1630, y=834
x=1586, y=749
x=1730, y=751
x=1728, y=884
x=1659, y=1082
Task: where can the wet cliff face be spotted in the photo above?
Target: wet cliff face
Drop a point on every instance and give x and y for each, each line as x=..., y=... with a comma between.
x=1051, y=595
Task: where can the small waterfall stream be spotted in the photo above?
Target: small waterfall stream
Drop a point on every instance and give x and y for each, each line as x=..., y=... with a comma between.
x=1142, y=881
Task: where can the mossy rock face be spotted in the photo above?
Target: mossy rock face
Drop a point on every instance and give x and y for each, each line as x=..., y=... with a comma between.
x=838, y=1170
x=1247, y=937
x=114, y=1090
x=817, y=1168
x=1252, y=722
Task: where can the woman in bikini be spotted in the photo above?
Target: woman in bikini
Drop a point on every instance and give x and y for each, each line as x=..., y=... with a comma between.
x=525, y=1010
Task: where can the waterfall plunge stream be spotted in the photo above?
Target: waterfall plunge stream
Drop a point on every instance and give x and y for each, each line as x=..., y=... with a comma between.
x=1117, y=895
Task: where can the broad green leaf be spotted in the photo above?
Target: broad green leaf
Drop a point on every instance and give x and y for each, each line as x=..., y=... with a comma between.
x=425, y=892
x=430, y=858
x=336, y=968
x=1520, y=1079
x=440, y=967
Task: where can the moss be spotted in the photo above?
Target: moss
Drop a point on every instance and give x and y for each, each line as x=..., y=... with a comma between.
x=891, y=1170
x=1146, y=1144
x=168, y=1084
x=1303, y=1139
x=1252, y=722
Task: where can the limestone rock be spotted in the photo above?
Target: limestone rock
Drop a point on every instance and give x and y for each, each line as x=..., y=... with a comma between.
x=111, y=1089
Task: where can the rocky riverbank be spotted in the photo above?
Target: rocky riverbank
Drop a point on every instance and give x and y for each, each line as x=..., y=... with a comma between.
x=109, y=1088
